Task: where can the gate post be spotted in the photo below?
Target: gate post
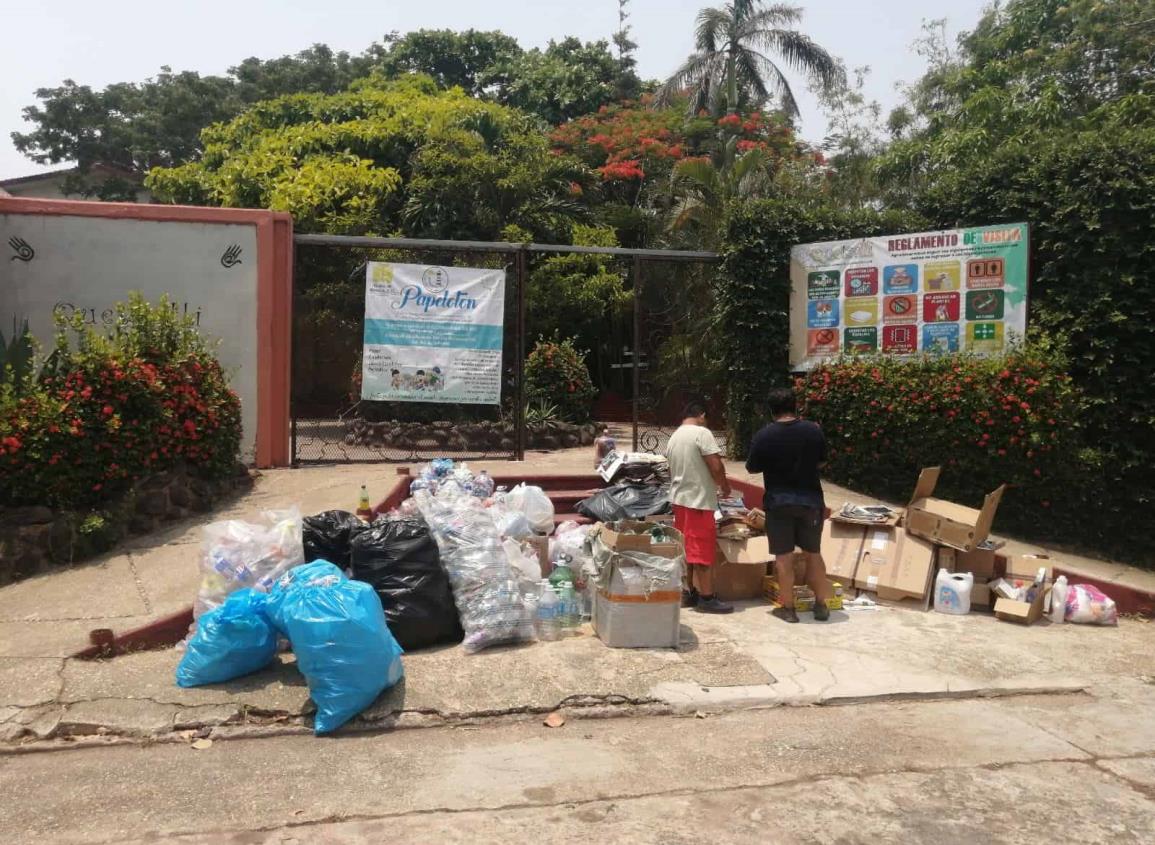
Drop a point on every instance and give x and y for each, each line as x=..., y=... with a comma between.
x=637, y=337
x=522, y=275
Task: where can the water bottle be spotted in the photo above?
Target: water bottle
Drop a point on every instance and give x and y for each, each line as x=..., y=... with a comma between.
x=483, y=485
x=570, y=615
x=547, y=624
x=562, y=571
x=1059, y=600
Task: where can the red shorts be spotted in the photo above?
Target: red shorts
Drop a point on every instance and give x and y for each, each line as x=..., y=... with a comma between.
x=697, y=526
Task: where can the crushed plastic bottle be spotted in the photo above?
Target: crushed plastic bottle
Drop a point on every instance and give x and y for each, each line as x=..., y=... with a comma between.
x=483, y=485
x=570, y=612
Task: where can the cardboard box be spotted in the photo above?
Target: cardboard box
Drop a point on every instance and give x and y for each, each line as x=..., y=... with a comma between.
x=661, y=518
x=947, y=523
x=980, y=561
x=635, y=612
x=895, y=565
x=740, y=567
x=541, y=547
x=1026, y=613
x=841, y=549
x=633, y=536
x=1026, y=567
x=981, y=595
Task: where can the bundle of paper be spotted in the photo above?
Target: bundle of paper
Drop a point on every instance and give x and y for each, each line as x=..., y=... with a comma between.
x=867, y=514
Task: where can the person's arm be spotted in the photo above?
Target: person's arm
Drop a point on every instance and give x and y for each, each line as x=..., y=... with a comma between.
x=718, y=473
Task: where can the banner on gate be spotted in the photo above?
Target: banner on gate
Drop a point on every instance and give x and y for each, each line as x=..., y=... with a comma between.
x=958, y=290
x=433, y=334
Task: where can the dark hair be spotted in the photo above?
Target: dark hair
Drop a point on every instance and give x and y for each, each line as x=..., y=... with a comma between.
x=395, y=373
x=693, y=409
x=781, y=401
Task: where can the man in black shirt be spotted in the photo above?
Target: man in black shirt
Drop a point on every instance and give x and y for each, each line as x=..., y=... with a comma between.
x=788, y=453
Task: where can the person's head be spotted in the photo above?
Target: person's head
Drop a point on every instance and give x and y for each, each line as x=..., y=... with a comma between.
x=396, y=372
x=781, y=402
x=694, y=412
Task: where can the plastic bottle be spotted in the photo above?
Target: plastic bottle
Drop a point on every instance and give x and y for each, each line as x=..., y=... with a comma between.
x=571, y=614
x=1059, y=600
x=547, y=623
x=562, y=572
x=364, y=509
x=482, y=485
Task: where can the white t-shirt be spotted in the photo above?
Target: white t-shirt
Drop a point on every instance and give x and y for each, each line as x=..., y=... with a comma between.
x=691, y=484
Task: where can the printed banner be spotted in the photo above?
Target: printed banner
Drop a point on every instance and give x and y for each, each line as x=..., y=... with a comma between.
x=959, y=290
x=433, y=334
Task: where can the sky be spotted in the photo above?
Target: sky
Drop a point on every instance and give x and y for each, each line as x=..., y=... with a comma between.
x=128, y=40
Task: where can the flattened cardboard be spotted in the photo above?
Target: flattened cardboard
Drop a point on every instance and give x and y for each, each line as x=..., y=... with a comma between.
x=895, y=565
x=740, y=567
x=541, y=547
x=1026, y=613
x=947, y=523
x=841, y=549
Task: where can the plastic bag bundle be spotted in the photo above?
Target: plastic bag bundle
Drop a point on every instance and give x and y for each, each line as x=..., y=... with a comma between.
x=485, y=584
x=243, y=554
x=534, y=504
x=339, y=636
x=329, y=535
x=1088, y=605
x=232, y=640
x=399, y=559
x=626, y=501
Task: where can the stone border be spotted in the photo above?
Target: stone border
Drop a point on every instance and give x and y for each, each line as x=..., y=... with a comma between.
x=35, y=538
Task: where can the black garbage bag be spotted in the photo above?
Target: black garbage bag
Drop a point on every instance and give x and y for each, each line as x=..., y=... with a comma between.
x=329, y=535
x=626, y=501
x=398, y=558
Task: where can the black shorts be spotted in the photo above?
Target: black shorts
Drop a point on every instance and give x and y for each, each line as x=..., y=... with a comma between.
x=793, y=526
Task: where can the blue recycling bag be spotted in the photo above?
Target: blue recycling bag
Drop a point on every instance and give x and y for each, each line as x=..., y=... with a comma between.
x=232, y=640
x=338, y=632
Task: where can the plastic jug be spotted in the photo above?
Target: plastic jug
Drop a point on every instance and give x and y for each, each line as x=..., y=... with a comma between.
x=1059, y=600
x=952, y=592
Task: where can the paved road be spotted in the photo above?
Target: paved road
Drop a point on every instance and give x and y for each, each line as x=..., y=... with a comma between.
x=1071, y=768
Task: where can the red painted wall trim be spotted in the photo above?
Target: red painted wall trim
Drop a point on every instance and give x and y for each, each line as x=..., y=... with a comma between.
x=274, y=296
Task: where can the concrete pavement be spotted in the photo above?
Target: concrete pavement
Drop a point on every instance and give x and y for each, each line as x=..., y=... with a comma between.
x=1071, y=768
x=746, y=660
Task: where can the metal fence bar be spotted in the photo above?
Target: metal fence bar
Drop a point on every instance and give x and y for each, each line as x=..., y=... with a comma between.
x=636, y=358
x=501, y=246
x=522, y=274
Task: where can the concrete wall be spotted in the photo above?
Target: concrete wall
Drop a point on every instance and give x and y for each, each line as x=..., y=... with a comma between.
x=86, y=264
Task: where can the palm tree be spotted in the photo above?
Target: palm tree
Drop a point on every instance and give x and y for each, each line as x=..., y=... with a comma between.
x=731, y=64
x=705, y=188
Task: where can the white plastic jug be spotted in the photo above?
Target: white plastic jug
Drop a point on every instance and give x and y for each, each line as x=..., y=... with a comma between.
x=952, y=592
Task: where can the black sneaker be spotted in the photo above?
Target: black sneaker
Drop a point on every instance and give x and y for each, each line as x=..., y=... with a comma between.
x=786, y=614
x=821, y=611
x=690, y=598
x=713, y=605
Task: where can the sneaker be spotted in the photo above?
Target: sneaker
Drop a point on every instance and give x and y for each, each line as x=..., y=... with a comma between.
x=689, y=598
x=713, y=605
x=821, y=611
x=786, y=614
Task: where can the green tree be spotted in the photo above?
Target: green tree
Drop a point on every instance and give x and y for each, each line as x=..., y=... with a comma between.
x=565, y=80
x=1044, y=115
x=471, y=60
x=731, y=70
x=706, y=188
x=395, y=157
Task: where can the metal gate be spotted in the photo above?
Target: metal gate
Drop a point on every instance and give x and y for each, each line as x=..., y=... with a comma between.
x=331, y=424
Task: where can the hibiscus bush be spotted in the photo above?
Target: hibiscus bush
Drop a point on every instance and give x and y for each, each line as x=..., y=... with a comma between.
x=108, y=409
x=987, y=422
x=556, y=375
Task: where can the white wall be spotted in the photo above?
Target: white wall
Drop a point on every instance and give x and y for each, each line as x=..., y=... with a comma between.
x=91, y=263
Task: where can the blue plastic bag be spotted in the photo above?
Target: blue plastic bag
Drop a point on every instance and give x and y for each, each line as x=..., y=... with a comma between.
x=343, y=646
x=279, y=592
x=232, y=640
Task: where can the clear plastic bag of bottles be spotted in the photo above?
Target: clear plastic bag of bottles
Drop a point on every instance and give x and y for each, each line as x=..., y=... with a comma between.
x=244, y=554
x=485, y=583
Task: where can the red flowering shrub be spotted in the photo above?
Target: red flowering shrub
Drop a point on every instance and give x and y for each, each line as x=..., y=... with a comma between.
x=117, y=409
x=986, y=422
x=556, y=374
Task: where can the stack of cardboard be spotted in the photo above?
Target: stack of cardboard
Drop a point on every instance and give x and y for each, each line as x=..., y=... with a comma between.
x=896, y=559
x=981, y=562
